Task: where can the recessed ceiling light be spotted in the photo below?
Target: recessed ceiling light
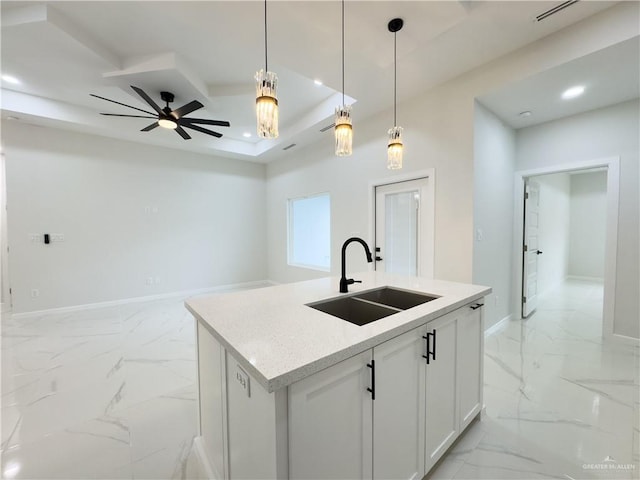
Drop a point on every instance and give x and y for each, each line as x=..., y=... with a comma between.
x=573, y=92
x=526, y=113
x=246, y=135
x=10, y=79
x=318, y=82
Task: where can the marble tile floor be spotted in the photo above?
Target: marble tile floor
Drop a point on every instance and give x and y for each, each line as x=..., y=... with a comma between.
x=560, y=402
x=111, y=394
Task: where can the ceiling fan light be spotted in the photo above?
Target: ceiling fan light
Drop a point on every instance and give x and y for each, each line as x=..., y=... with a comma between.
x=267, y=104
x=343, y=131
x=395, y=149
x=167, y=123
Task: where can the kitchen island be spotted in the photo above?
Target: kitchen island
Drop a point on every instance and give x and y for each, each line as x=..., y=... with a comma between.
x=289, y=391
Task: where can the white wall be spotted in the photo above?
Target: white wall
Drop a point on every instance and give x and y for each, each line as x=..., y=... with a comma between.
x=554, y=230
x=588, y=224
x=606, y=132
x=431, y=142
x=128, y=212
x=494, y=159
x=439, y=128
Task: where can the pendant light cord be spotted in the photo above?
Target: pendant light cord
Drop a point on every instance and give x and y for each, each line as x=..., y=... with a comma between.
x=266, y=64
x=395, y=79
x=343, y=53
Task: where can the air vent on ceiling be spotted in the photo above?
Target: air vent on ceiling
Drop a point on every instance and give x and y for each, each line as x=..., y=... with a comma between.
x=289, y=146
x=328, y=127
x=554, y=10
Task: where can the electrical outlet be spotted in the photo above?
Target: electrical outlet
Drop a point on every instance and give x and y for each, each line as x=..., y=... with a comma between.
x=35, y=293
x=149, y=281
x=156, y=280
x=154, y=210
x=479, y=235
x=57, y=237
x=147, y=210
x=35, y=238
x=243, y=379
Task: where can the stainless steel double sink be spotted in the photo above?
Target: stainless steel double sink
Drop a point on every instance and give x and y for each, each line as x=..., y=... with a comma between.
x=371, y=305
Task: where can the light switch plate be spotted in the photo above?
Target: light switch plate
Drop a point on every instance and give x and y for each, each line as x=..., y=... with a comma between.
x=243, y=379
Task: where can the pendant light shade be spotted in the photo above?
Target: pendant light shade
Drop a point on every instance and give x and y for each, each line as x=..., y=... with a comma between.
x=266, y=94
x=343, y=131
x=395, y=146
x=394, y=149
x=343, y=124
x=267, y=104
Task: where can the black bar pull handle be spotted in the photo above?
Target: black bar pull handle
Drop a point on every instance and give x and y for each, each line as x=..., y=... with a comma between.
x=372, y=366
x=476, y=306
x=426, y=337
x=431, y=354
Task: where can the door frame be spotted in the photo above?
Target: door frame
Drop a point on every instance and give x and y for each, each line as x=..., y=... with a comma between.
x=428, y=243
x=612, y=164
x=5, y=281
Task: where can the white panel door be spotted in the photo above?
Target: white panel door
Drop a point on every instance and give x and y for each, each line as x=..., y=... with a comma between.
x=469, y=368
x=441, y=389
x=530, y=250
x=330, y=422
x=399, y=407
x=404, y=227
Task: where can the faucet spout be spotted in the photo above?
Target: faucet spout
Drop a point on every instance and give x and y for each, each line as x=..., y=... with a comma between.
x=344, y=281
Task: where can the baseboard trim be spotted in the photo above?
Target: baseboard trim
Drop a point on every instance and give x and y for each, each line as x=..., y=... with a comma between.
x=148, y=298
x=498, y=327
x=580, y=277
x=624, y=339
x=204, y=466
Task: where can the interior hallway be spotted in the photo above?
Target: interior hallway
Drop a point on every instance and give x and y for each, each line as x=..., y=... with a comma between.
x=111, y=393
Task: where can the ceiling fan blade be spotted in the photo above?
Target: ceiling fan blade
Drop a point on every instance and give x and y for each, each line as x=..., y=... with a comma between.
x=130, y=116
x=150, y=127
x=205, y=121
x=202, y=130
x=187, y=109
x=148, y=99
x=182, y=133
x=123, y=104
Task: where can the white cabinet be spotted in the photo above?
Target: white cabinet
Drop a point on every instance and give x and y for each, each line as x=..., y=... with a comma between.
x=330, y=420
x=469, y=369
x=399, y=407
x=441, y=387
x=428, y=388
x=427, y=384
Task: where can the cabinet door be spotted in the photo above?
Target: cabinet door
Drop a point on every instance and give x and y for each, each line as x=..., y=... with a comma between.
x=330, y=422
x=470, y=355
x=441, y=405
x=398, y=410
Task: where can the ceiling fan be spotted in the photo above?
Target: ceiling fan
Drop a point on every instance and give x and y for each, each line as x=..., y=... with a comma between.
x=167, y=118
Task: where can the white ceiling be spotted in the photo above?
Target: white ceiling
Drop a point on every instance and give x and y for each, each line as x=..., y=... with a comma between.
x=609, y=76
x=210, y=50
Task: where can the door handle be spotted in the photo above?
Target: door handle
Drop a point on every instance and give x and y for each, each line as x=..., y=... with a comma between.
x=538, y=252
x=378, y=259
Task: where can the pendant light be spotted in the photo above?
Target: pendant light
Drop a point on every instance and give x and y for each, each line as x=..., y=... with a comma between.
x=395, y=147
x=266, y=94
x=343, y=128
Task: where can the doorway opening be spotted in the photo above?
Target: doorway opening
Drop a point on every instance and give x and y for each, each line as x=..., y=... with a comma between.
x=403, y=225
x=566, y=229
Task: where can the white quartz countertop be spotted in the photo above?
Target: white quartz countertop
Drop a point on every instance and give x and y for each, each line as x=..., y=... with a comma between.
x=279, y=340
